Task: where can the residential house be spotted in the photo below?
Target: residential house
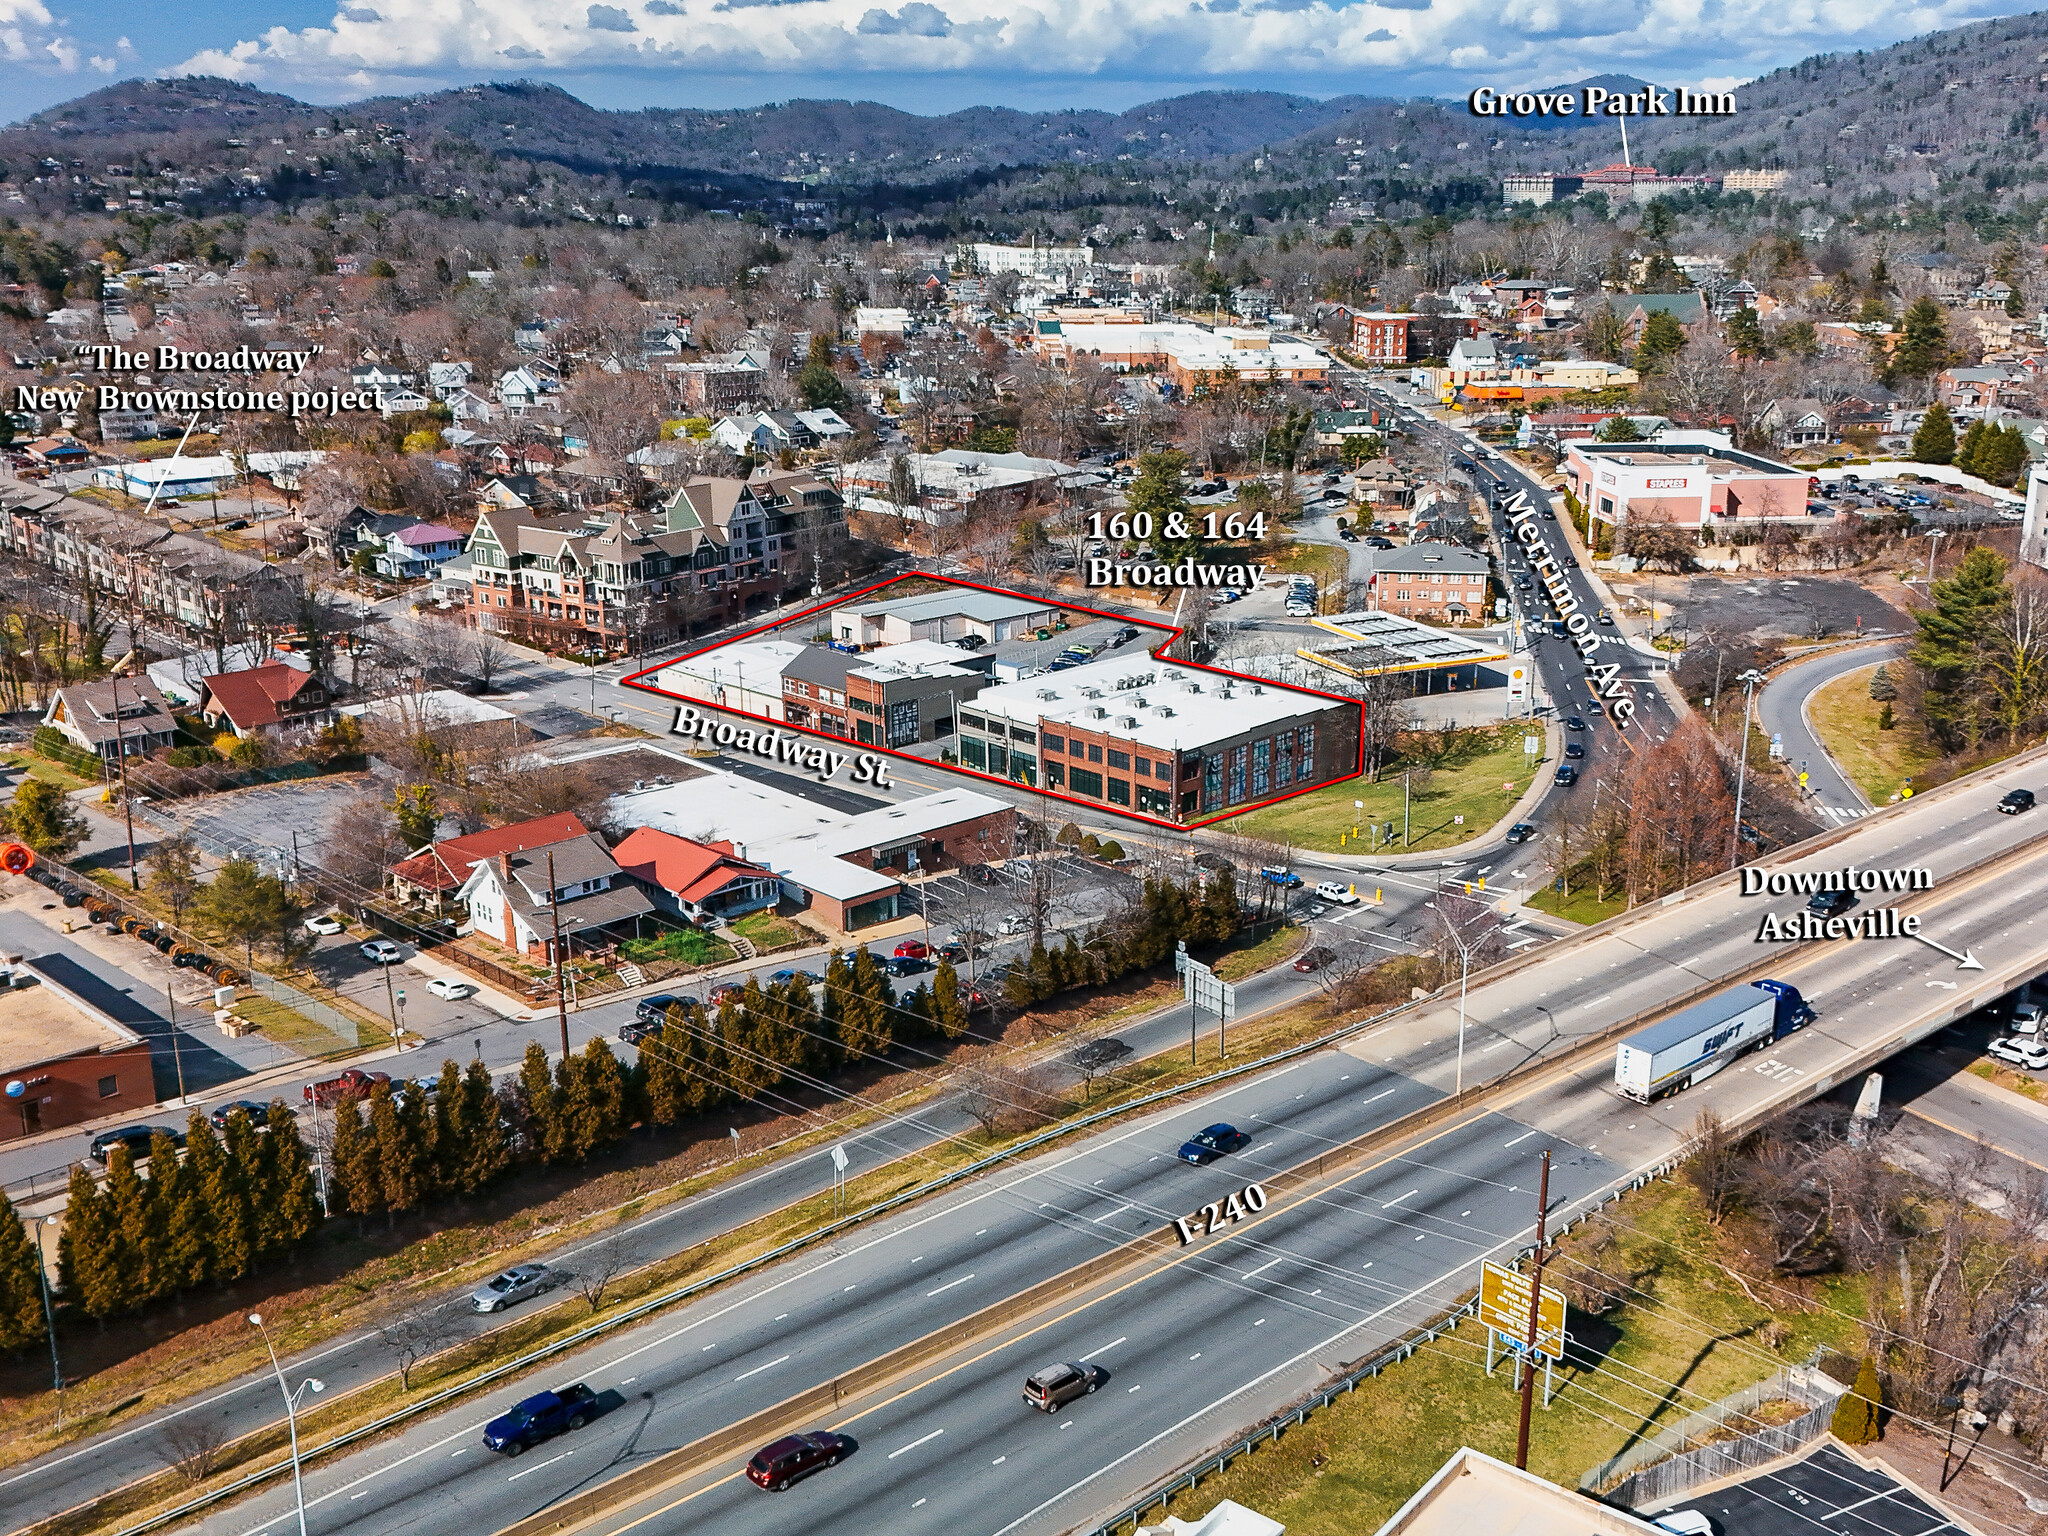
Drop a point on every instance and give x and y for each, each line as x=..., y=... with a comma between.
x=447, y=380
x=572, y=887
x=58, y=452
x=1978, y=389
x=1796, y=422
x=691, y=880
x=431, y=876
x=1688, y=309
x=417, y=551
x=401, y=402
x=763, y=432
x=264, y=700
x=1382, y=483
x=1334, y=429
x=1430, y=581
x=375, y=376
x=122, y=716
x=720, y=382
x=523, y=390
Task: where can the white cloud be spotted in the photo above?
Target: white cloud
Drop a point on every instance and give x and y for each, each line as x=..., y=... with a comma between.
x=1316, y=45
x=103, y=65
x=64, y=51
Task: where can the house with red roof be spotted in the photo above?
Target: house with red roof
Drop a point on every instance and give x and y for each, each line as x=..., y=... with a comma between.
x=431, y=877
x=264, y=700
x=691, y=880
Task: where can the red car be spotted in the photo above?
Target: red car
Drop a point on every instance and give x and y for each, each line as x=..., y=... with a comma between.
x=354, y=1083
x=724, y=990
x=1314, y=959
x=913, y=949
x=782, y=1462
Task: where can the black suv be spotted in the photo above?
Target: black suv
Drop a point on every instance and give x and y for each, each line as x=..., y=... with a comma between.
x=2015, y=801
x=1832, y=903
x=135, y=1138
x=651, y=1014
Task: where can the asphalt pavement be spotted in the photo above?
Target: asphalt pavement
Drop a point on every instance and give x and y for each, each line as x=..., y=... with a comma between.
x=1781, y=712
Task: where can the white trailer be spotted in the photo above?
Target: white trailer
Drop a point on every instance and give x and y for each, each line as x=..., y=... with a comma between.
x=1696, y=1042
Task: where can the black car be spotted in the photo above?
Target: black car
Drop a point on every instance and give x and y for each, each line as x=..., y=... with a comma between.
x=1125, y=635
x=1832, y=903
x=906, y=965
x=1574, y=723
x=650, y=1014
x=1573, y=750
x=1521, y=832
x=2015, y=801
x=259, y=1114
x=1567, y=775
x=1347, y=535
x=135, y=1138
x=1378, y=541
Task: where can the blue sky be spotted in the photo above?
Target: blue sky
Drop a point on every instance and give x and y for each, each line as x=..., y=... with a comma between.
x=927, y=55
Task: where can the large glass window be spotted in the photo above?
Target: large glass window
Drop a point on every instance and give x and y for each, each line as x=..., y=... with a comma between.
x=1212, y=779
x=1119, y=759
x=1144, y=767
x=972, y=752
x=1054, y=743
x=1306, y=765
x=1086, y=783
x=1119, y=791
x=1022, y=766
x=1283, y=759
x=1157, y=802
x=1055, y=773
x=1238, y=755
x=998, y=759
x=1262, y=773
x=903, y=723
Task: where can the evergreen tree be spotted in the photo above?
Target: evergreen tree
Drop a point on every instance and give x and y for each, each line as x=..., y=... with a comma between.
x=451, y=1145
x=666, y=1066
x=1225, y=917
x=2004, y=458
x=864, y=1024
x=1858, y=1411
x=1923, y=346
x=1020, y=987
x=243, y=1147
x=87, y=1253
x=487, y=1154
x=42, y=816
x=742, y=1026
x=137, y=1228
x=537, y=1093
x=223, y=1201
x=1882, y=688
x=569, y=1131
x=1965, y=604
x=1156, y=492
x=1745, y=336
x=605, y=1087
x=355, y=1161
x=1971, y=447
x=1663, y=337
x=397, y=1134
x=949, y=1005
x=21, y=1284
x=1043, y=982
x=182, y=1263
x=294, y=1193
x=832, y=1003
x=1935, y=441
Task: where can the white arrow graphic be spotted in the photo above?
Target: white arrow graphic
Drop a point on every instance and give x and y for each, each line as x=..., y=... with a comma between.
x=1964, y=961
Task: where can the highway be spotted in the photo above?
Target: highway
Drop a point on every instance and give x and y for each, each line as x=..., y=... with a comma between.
x=1781, y=712
x=1016, y=1227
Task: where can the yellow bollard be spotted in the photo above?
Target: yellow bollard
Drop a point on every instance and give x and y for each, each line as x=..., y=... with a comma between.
x=1376, y=890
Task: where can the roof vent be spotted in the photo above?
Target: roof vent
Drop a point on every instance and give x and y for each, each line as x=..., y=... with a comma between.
x=1256, y=688
x=1047, y=693
x=1138, y=701
x=1127, y=722
x=1098, y=713
x=638, y=785
x=1163, y=712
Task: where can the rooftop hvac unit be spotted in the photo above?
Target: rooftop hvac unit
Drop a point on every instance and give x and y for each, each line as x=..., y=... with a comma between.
x=1047, y=693
x=1098, y=713
x=1127, y=722
x=1164, y=712
x=1194, y=687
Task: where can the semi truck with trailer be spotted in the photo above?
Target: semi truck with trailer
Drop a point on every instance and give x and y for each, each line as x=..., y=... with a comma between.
x=1696, y=1042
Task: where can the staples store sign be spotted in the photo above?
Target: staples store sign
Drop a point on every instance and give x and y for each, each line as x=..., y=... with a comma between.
x=1666, y=484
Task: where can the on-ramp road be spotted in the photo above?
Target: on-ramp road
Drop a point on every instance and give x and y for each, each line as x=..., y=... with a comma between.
x=1781, y=711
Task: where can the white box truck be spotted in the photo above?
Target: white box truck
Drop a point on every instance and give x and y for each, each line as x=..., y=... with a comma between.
x=1696, y=1042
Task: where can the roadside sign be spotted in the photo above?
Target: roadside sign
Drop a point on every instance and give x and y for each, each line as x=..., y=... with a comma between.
x=1504, y=1307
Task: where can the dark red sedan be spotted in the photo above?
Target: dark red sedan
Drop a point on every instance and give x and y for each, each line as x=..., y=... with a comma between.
x=783, y=1461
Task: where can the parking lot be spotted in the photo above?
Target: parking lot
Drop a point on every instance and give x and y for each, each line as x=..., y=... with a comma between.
x=1767, y=607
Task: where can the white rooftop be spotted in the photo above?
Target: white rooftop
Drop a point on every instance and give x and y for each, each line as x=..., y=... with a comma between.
x=1157, y=704
x=745, y=663
x=436, y=708
x=913, y=658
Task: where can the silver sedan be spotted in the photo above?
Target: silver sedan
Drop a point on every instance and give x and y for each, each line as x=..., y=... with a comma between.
x=515, y=1284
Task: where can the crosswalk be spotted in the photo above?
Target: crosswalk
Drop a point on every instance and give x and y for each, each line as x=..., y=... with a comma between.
x=1841, y=812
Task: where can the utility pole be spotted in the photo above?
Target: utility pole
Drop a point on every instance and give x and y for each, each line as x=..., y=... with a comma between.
x=1749, y=680
x=561, y=974
x=1535, y=1313
x=127, y=807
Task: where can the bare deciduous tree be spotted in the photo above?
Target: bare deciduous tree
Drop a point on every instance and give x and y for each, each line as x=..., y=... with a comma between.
x=416, y=1333
x=600, y=1267
x=191, y=1445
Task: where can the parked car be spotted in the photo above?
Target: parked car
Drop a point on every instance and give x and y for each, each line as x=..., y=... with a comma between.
x=259, y=1114
x=382, y=952
x=2026, y=1019
x=1314, y=959
x=1126, y=635
x=450, y=988
x=781, y=1462
x=726, y=989
x=2015, y=801
x=1286, y=879
x=516, y=1284
x=1342, y=895
x=954, y=953
x=326, y=925
x=135, y=1138
x=1347, y=535
x=1379, y=541
x=906, y=965
x=1228, y=594
x=1212, y=1142
x=2031, y=1054
x=1013, y=924
x=540, y=1417
x=1051, y=1387
x=354, y=1081
x=915, y=949
x=1521, y=832
x=971, y=642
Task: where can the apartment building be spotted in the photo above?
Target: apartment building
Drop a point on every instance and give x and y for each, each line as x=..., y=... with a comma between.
x=1194, y=357
x=720, y=549
x=1430, y=581
x=1176, y=743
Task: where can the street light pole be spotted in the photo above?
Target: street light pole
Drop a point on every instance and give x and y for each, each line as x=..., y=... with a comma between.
x=291, y=1413
x=1464, y=972
x=1749, y=680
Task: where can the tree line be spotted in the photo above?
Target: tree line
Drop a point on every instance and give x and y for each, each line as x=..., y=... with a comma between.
x=1167, y=914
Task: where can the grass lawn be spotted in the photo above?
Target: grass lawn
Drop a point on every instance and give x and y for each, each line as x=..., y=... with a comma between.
x=1582, y=906
x=1351, y=1466
x=1328, y=563
x=685, y=946
x=282, y=1026
x=1247, y=956
x=43, y=768
x=1481, y=788
x=768, y=931
x=1877, y=762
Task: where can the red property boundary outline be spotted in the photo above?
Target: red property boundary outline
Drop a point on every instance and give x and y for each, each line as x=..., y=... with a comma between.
x=1173, y=633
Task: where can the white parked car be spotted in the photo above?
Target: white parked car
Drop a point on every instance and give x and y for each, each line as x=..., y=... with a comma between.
x=1014, y=924
x=2026, y=1019
x=329, y=924
x=1342, y=895
x=382, y=952
x=2030, y=1054
x=1297, y=609
x=443, y=986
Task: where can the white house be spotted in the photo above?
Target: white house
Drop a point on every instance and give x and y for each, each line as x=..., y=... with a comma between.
x=511, y=902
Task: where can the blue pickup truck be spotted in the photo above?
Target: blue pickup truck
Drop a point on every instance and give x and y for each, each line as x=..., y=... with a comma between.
x=541, y=1417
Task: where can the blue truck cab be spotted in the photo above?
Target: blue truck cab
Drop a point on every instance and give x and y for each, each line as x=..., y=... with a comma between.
x=540, y=1417
x=1793, y=1010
